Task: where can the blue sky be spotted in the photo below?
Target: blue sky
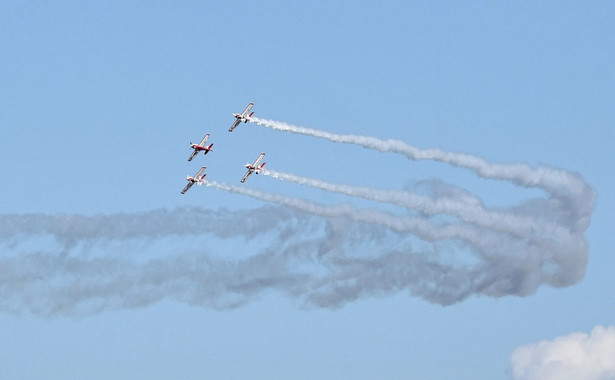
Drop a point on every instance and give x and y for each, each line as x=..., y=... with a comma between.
x=100, y=101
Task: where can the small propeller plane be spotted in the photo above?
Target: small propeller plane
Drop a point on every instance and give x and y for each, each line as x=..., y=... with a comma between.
x=239, y=117
x=200, y=147
x=254, y=168
x=199, y=178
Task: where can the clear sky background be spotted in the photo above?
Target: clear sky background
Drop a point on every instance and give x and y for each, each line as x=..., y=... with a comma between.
x=99, y=101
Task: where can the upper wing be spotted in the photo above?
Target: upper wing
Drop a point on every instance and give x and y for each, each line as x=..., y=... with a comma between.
x=258, y=160
x=235, y=124
x=197, y=176
x=202, y=143
x=247, y=175
x=188, y=186
x=247, y=110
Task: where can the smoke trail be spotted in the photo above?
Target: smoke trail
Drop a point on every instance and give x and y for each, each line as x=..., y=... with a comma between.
x=571, y=200
x=545, y=259
x=466, y=208
x=418, y=226
x=501, y=235
x=561, y=219
x=67, y=277
x=481, y=239
x=552, y=180
x=323, y=255
x=304, y=257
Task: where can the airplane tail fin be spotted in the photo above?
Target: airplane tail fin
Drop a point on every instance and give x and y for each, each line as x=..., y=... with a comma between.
x=248, y=117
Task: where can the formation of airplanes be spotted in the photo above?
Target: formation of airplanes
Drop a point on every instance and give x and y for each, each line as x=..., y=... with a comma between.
x=199, y=177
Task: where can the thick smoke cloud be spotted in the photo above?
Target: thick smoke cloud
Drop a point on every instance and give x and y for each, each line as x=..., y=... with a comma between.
x=303, y=256
x=572, y=357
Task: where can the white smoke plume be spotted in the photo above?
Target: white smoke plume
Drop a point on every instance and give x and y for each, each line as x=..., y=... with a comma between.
x=463, y=206
x=550, y=179
x=572, y=357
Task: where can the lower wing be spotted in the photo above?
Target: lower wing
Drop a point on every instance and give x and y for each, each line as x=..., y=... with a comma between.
x=246, y=176
x=188, y=186
x=235, y=124
x=193, y=154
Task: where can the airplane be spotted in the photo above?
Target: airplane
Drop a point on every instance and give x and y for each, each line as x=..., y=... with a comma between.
x=200, y=147
x=254, y=168
x=199, y=178
x=242, y=117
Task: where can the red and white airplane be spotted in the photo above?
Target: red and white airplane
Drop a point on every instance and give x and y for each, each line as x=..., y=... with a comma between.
x=200, y=147
x=254, y=168
x=198, y=178
x=239, y=117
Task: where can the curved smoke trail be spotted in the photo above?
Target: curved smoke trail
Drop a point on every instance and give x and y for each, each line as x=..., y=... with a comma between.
x=569, y=196
x=550, y=179
x=467, y=209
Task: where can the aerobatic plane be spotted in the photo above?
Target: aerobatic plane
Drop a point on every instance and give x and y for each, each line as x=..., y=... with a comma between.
x=254, y=168
x=199, y=178
x=200, y=147
x=239, y=117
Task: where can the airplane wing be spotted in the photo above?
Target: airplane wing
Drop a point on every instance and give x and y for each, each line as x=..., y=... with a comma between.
x=188, y=186
x=202, y=143
x=258, y=160
x=250, y=171
x=235, y=124
x=198, y=176
x=247, y=110
x=194, y=153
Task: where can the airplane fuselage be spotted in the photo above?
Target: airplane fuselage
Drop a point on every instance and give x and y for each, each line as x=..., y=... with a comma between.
x=200, y=148
x=241, y=118
x=254, y=169
x=194, y=180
